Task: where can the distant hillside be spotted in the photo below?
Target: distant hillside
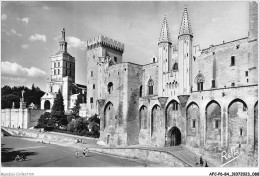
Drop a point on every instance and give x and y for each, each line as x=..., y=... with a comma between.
x=13, y=94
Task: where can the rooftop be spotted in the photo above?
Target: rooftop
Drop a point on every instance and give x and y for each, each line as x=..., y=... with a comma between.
x=105, y=40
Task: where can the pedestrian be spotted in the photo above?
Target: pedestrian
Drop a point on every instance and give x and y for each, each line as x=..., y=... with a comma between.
x=196, y=163
x=23, y=157
x=17, y=158
x=77, y=154
x=84, y=153
x=87, y=152
x=206, y=165
x=201, y=161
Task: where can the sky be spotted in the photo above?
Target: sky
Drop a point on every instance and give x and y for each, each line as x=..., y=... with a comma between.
x=30, y=31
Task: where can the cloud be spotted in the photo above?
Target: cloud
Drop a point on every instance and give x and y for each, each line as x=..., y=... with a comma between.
x=214, y=20
x=24, y=20
x=14, y=70
x=56, y=38
x=6, y=32
x=10, y=80
x=15, y=33
x=75, y=42
x=38, y=37
x=3, y=17
x=45, y=8
x=25, y=46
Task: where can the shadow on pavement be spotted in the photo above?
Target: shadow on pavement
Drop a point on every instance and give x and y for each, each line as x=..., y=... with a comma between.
x=8, y=154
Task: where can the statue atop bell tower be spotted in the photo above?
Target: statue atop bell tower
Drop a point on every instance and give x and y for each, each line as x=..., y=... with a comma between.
x=63, y=43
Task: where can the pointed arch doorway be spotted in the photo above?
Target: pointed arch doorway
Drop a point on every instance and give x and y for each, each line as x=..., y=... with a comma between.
x=174, y=137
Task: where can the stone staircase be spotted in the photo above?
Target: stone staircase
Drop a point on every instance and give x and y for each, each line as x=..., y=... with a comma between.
x=182, y=153
x=5, y=132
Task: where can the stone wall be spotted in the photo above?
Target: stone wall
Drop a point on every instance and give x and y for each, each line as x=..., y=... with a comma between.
x=134, y=79
x=48, y=136
x=161, y=157
x=124, y=93
x=237, y=107
x=23, y=118
x=150, y=71
x=214, y=63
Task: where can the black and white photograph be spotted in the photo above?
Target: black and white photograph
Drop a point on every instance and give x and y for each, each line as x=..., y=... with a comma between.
x=129, y=88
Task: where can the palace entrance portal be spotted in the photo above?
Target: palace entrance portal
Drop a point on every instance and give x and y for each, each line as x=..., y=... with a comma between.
x=174, y=137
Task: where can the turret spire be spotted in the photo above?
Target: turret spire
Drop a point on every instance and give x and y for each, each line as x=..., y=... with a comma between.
x=165, y=34
x=63, y=43
x=185, y=23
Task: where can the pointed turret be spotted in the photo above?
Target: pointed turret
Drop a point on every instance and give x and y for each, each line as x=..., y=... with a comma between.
x=63, y=43
x=185, y=24
x=164, y=57
x=165, y=33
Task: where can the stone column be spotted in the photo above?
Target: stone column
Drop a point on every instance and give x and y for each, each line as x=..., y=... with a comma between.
x=203, y=124
x=223, y=124
x=183, y=100
x=163, y=101
x=226, y=129
x=250, y=127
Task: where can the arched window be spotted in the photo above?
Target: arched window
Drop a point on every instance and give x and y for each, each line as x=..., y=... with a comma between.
x=115, y=59
x=58, y=71
x=175, y=67
x=175, y=106
x=199, y=80
x=110, y=87
x=150, y=86
x=54, y=65
x=54, y=72
x=140, y=91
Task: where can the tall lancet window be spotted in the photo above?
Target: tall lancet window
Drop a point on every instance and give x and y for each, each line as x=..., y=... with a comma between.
x=150, y=86
x=199, y=80
x=175, y=67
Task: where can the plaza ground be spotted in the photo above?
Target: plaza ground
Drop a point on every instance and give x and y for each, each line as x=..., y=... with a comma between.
x=53, y=155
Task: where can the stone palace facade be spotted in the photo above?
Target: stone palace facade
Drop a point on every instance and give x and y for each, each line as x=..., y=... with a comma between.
x=202, y=98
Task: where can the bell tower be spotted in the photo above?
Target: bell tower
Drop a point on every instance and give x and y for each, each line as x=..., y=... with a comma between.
x=164, y=46
x=63, y=64
x=185, y=54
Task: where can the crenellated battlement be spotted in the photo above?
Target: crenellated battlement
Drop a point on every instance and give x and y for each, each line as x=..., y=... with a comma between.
x=104, y=41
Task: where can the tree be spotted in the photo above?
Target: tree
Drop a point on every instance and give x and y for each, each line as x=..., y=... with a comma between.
x=76, y=108
x=57, y=109
x=94, y=125
x=10, y=95
x=95, y=119
x=46, y=120
x=7, y=101
x=71, y=126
